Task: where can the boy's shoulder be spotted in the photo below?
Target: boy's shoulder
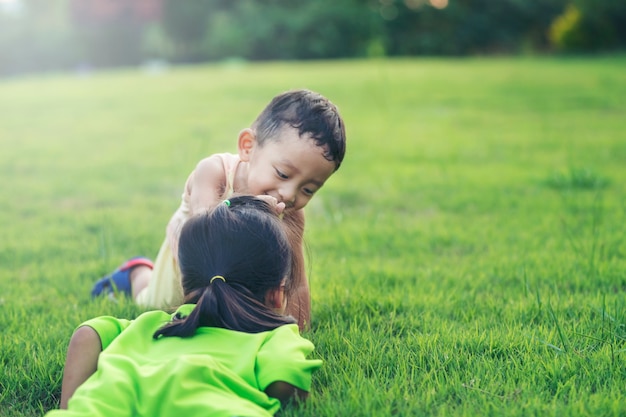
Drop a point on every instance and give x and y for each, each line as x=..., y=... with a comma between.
x=218, y=161
x=211, y=171
x=215, y=166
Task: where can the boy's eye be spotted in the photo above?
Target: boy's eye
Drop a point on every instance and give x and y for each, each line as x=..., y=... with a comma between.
x=308, y=191
x=281, y=175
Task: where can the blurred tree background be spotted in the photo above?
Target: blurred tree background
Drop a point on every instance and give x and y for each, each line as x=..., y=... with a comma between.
x=51, y=35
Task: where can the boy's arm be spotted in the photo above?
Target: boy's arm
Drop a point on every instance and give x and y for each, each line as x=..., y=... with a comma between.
x=206, y=184
x=285, y=392
x=203, y=190
x=81, y=361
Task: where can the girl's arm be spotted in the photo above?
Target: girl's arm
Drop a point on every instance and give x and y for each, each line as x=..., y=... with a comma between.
x=81, y=361
x=286, y=392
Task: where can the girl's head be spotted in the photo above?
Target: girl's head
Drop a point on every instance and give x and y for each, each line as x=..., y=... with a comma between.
x=234, y=262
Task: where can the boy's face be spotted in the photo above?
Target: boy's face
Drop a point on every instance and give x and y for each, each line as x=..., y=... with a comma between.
x=289, y=168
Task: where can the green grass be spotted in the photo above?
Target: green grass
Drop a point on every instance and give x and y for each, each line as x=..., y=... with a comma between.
x=467, y=259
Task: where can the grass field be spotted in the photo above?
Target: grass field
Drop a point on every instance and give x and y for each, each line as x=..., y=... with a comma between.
x=467, y=259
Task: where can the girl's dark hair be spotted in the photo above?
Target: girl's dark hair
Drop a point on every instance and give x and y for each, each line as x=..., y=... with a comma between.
x=309, y=113
x=245, y=243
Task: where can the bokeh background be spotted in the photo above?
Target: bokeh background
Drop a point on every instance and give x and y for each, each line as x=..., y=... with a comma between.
x=83, y=35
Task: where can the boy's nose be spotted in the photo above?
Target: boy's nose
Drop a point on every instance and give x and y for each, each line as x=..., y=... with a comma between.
x=288, y=196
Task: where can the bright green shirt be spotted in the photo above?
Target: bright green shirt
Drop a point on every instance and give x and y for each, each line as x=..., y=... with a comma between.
x=216, y=372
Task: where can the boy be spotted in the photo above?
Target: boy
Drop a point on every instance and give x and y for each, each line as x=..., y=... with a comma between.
x=295, y=144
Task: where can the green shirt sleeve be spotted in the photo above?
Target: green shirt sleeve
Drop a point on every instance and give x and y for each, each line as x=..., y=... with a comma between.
x=283, y=357
x=107, y=327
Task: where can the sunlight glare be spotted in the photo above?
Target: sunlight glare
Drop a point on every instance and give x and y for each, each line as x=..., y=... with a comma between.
x=439, y=4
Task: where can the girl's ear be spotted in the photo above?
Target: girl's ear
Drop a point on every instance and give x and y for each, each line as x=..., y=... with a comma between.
x=245, y=144
x=275, y=299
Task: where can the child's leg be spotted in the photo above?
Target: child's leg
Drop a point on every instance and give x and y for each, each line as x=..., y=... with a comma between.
x=162, y=288
x=121, y=280
x=139, y=279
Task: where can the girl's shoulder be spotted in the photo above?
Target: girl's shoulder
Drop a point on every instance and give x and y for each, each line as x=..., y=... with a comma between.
x=285, y=356
x=285, y=335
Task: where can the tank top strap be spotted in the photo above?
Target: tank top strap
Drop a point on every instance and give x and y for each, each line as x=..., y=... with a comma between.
x=231, y=162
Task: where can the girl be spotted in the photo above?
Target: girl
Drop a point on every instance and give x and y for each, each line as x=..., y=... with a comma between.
x=228, y=351
x=291, y=149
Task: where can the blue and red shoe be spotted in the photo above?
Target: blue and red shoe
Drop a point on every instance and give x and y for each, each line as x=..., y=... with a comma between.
x=119, y=280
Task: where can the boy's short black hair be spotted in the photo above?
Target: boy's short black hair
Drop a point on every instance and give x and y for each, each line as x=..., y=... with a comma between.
x=310, y=113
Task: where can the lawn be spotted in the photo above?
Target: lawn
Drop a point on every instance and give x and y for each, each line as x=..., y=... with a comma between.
x=468, y=258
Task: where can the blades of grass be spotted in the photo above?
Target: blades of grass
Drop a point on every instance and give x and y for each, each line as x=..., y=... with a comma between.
x=562, y=336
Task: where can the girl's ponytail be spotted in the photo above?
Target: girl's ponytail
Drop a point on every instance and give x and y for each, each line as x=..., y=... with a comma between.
x=186, y=326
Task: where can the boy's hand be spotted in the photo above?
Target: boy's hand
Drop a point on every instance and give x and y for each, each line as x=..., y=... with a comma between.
x=273, y=202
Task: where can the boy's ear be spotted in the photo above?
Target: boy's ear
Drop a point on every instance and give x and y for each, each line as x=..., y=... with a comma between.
x=245, y=144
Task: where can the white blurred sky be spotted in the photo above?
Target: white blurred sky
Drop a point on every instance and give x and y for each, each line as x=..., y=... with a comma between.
x=11, y=7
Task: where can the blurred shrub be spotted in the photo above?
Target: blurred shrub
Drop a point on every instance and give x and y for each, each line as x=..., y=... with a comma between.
x=301, y=29
x=61, y=34
x=268, y=29
x=590, y=25
x=468, y=26
x=185, y=24
x=566, y=32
